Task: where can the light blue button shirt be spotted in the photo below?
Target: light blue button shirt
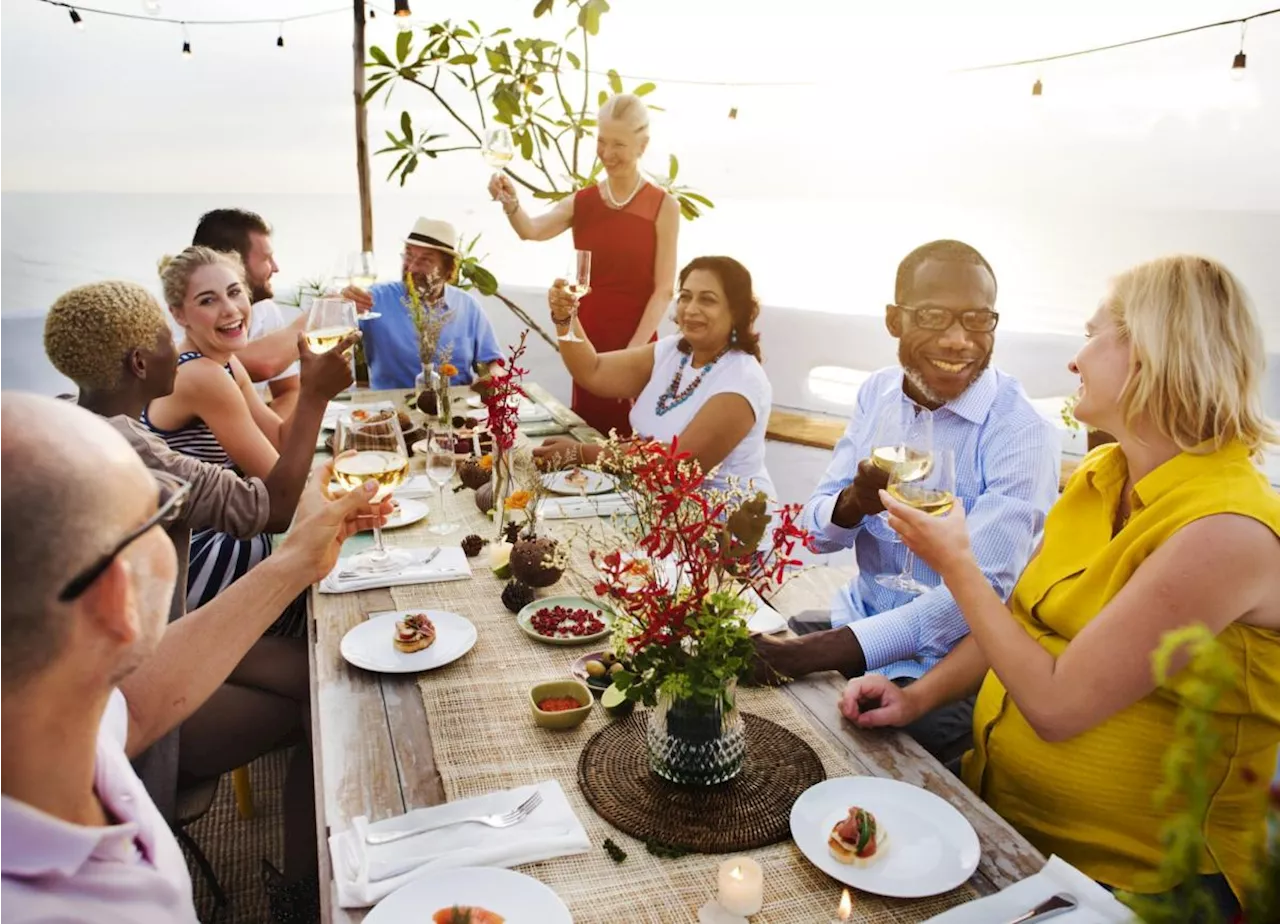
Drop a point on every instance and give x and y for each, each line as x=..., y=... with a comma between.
x=1007, y=461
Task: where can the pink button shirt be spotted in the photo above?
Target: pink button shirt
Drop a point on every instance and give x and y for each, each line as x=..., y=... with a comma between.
x=131, y=872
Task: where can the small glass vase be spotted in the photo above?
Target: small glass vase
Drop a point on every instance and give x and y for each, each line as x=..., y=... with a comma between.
x=430, y=380
x=693, y=744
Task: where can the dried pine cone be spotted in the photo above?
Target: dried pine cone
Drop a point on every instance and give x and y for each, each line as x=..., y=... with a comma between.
x=516, y=596
x=473, y=544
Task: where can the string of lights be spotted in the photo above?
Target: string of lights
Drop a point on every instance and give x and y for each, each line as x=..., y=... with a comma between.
x=401, y=10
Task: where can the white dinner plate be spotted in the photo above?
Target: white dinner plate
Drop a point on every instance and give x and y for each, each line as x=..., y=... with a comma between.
x=408, y=512
x=371, y=644
x=527, y=411
x=764, y=619
x=930, y=848
x=574, y=483
x=519, y=898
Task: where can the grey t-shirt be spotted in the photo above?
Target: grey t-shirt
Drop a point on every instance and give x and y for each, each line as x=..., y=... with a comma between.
x=219, y=499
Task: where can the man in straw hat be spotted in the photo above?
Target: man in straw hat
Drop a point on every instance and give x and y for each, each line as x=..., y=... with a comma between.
x=430, y=263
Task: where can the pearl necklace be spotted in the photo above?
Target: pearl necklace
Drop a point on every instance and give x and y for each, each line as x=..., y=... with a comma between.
x=669, y=400
x=607, y=191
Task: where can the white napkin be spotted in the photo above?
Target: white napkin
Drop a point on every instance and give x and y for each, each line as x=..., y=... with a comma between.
x=450, y=565
x=416, y=486
x=597, y=505
x=1097, y=905
x=365, y=874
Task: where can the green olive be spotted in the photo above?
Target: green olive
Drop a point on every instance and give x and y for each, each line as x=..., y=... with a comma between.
x=595, y=669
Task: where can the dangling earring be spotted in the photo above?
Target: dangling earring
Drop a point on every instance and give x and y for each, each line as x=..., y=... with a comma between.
x=733, y=336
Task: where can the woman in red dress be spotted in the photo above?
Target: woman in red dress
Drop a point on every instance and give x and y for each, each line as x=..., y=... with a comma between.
x=630, y=227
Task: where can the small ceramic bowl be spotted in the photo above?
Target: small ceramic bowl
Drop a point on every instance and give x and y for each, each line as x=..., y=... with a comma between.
x=569, y=718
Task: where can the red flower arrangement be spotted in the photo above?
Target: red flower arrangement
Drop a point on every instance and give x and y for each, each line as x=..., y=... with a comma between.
x=502, y=397
x=681, y=598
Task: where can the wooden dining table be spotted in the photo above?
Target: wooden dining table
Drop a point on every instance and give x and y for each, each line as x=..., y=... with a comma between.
x=372, y=735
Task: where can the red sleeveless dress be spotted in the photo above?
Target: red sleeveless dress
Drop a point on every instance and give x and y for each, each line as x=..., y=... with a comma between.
x=623, y=245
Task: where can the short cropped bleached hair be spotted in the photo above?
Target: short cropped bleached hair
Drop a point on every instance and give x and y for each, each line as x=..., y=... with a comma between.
x=628, y=109
x=1196, y=354
x=89, y=331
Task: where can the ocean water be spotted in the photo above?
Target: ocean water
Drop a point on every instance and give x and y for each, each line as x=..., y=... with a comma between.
x=810, y=257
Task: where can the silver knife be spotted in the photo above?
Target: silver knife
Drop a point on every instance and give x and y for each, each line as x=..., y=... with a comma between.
x=1058, y=904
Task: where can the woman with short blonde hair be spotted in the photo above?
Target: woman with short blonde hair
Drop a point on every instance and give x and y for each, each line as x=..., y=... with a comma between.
x=630, y=227
x=1171, y=526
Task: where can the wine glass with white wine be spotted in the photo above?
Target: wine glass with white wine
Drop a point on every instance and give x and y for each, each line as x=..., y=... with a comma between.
x=577, y=279
x=329, y=319
x=441, y=462
x=934, y=492
x=362, y=272
x=372, y=449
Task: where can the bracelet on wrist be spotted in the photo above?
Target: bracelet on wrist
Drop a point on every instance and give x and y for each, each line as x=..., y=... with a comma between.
x=515, y=207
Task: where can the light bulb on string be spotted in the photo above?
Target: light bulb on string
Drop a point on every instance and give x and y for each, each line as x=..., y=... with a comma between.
x=280, y=37
x=1239, y=62
x=77, y=20
x=186, y=43
x=373, y=14
x=1037, y=88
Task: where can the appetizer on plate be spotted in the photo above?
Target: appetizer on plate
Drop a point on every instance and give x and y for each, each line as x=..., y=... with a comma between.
x=415, y=632
x=563, y=622
x=466, y=914
x=857, y=839
x=577, y=479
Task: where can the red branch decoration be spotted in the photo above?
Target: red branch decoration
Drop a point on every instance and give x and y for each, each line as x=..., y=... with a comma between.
x=502, y=398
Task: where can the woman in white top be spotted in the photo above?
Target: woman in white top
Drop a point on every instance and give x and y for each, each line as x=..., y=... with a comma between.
x=705, y=386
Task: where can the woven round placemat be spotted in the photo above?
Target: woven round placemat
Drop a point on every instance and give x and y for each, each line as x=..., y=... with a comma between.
x=752, y=810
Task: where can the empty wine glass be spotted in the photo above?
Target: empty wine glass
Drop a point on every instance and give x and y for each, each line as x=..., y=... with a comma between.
x=362, y=272
x=577, y=283
x=329, y=319
x=371, y=447
x=934, y=492
x=441, y=462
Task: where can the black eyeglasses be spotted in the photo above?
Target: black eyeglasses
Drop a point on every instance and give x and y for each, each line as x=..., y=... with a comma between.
x=974, y=320
x=172, y=496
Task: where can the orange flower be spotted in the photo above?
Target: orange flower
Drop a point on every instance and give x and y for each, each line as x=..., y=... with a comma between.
x=448, y=369
x=486, y=462
x=518, y=500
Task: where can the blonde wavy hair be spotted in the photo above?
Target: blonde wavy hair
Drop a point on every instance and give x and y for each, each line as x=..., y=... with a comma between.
x=176, y=271
x=1196, y=360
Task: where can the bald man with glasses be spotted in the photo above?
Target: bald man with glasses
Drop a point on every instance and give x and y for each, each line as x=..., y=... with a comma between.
x=92, y=671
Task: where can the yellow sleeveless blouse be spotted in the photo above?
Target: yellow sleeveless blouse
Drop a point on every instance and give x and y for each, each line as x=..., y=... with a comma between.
x=1090, y=799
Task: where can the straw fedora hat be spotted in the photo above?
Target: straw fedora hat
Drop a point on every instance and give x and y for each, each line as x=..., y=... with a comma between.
x=438, y=235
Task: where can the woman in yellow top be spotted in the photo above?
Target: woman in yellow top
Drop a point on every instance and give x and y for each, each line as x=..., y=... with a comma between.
x=1170, y=526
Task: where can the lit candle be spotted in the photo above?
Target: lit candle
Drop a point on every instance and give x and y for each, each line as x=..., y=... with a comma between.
x=741, y=883
x=845, y=911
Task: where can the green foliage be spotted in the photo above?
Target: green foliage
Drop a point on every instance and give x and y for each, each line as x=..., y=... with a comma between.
x=538, y=88
x=1068, y=412
x=1208, y=675
x=718, y=649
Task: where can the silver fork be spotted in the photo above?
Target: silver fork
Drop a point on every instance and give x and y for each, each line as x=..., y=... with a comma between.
x=504, y=820
x=431, y=556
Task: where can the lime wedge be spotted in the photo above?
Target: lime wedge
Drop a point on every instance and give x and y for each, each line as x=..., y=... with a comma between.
x=615, y=702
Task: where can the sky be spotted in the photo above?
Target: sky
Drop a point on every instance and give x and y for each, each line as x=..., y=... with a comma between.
x=873, y=109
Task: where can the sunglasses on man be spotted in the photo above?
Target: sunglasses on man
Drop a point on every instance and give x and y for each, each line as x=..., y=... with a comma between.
x=172, y=495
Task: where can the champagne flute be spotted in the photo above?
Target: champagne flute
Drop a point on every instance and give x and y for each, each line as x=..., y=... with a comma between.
x=372, y=448
x=362, y=272
x=440, y=465
x=329, y=319
x=934, y=493
x=578, y=278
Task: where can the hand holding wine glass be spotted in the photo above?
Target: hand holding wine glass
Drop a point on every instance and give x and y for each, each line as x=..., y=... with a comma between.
x=498, y=149
x=371, y=448
x=577, y=284
x=933, y=494
x=928, y=517
x=362, y=273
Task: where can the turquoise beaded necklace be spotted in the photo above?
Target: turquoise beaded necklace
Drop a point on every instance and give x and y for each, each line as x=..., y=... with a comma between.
x=669, y=400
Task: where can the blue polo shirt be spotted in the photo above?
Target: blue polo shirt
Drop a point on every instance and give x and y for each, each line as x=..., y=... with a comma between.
x=391, y=341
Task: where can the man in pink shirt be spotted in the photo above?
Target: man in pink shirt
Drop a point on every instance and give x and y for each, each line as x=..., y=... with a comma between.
x=87, y=577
